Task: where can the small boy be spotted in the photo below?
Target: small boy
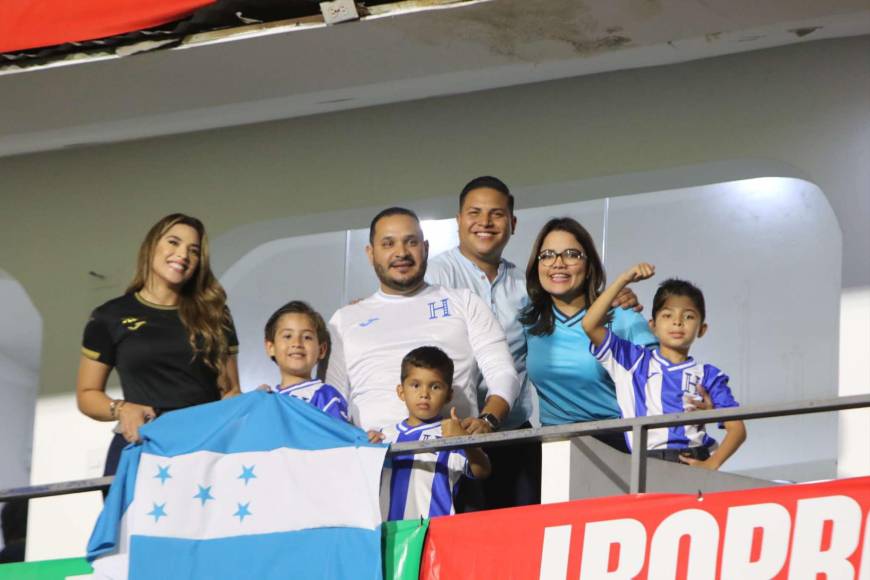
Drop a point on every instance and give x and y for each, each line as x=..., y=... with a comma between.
x=297, y=340
x=424, y=484
x=666, y=379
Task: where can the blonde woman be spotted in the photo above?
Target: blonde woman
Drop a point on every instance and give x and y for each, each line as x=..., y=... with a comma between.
x=170, y=336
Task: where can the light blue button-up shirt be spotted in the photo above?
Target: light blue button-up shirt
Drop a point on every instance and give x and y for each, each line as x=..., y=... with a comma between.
x=506, y=296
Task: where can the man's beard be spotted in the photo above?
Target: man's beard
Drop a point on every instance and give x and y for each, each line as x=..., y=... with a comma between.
x=401, y=286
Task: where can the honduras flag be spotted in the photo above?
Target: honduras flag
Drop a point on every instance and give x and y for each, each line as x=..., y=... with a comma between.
x=257, y=486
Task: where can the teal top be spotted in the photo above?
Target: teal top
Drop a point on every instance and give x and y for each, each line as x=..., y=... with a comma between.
x=572, y=386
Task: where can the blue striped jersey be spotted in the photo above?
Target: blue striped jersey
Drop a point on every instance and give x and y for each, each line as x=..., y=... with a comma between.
x=317, y=393
x=423, y=484
x=648, y=384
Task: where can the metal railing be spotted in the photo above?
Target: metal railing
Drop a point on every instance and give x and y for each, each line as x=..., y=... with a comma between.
x=639, y=428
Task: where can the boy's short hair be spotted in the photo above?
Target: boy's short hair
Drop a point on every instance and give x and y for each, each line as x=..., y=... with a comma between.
x=429, y=357
x=677, y=287
x=490, y=182
x=297, y=307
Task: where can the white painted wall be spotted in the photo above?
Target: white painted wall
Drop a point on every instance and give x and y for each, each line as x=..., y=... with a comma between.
x=68, y=446
x=20, y=347
x=854, y=432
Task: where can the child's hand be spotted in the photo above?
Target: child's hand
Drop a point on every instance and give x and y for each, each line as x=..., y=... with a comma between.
x=452, y=427
x=708, y=463
x=699, y=402
x=375, y=436
x=638, y=272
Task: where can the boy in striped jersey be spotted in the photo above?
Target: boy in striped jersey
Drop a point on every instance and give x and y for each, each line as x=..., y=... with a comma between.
x=665, y=379
x=424, y=484
x=296, y=340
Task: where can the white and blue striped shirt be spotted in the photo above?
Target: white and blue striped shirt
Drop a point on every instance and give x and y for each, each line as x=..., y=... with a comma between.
x=648, y=384
x=422, y=484
x=318, y=394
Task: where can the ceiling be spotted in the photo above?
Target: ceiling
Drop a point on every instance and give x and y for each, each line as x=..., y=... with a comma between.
x=417, y=50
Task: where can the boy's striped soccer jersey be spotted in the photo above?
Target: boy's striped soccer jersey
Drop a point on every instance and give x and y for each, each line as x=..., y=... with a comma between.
x=423, y=484
x=324, y=397
x=648, y=384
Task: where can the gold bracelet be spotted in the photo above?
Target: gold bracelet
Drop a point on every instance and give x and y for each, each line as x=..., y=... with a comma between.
x=115, y=406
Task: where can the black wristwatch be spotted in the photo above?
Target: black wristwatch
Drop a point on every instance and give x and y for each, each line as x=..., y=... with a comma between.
x=491, y=419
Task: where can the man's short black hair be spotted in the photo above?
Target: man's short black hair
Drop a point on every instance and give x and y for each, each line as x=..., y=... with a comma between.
x=491, y=183
x=429, y=357
x=677, y=287
x=390, y=211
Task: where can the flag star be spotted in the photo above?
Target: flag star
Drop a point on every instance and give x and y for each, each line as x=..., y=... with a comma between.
x=158, y=511
x=204, y=494
x=243, y=511
x=163, y=473
x=247, y=474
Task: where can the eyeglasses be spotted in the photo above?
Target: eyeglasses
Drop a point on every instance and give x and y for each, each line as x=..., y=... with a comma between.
x=570, y=257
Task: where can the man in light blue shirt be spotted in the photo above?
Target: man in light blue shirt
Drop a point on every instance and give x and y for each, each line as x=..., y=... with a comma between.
x=486, y=222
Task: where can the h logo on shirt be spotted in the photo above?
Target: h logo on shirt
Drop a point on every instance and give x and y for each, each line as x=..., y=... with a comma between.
x=443, y=308
x=690, y=384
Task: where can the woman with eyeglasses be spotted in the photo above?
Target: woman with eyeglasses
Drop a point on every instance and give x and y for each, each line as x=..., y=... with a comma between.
x=563, y=278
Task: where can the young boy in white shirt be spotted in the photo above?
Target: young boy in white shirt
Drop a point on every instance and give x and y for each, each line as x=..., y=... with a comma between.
x=424, y=484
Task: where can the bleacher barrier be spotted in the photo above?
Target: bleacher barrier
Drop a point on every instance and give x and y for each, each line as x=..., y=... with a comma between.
x=820, y=528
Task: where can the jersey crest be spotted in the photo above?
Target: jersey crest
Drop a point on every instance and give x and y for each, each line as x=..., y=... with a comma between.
x=133, y=323
x=439, y=309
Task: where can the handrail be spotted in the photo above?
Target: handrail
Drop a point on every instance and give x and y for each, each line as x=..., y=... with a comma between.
x=638, y=426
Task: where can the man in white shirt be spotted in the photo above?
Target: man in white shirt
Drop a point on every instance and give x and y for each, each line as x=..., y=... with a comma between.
x=370, y=337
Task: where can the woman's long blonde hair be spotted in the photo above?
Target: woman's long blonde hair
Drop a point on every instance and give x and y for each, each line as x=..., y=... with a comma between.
x=202, y=304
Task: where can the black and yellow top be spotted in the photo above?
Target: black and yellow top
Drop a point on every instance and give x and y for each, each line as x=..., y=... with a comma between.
x=147, y=344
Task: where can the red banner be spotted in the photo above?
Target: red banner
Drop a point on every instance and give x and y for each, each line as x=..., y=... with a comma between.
x=795, y=531
x=26, y=24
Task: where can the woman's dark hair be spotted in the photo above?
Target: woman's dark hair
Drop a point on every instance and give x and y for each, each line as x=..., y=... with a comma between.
x=538, y=315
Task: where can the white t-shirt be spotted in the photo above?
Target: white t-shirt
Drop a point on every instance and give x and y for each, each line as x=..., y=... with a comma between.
x=370, y=338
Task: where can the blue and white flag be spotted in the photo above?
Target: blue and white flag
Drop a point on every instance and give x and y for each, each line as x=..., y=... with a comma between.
x=257, y=486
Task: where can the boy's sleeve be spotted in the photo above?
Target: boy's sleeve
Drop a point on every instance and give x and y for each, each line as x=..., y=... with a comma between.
x=716, y=383
x=97, y=342
x=330, y=401
x=459, y=463
x=616, y=354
